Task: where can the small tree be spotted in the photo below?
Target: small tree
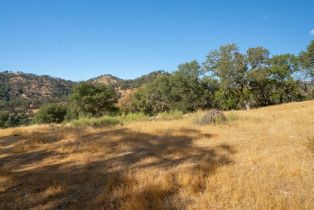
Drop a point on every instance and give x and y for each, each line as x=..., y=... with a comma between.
x=307, y=61
x=286, y=88
x=182, y=90
x=230, y=67
x=94, y=100
x=51, y=113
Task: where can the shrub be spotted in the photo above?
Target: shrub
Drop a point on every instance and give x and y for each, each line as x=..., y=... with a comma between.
x=51, y=113
x=94, y=100
x=13, y=119
x=4, y=116
x=95, y=122
x=72, y=113
x=172, y=115
x=211, y=117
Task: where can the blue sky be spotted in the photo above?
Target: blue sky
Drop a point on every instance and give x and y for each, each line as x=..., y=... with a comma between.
x=80, y=39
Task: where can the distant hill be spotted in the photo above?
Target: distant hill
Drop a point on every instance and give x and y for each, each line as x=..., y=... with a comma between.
x=25, y=88
x=143, y=80
x=21, y=85
x=106, y=79
x=128, y=83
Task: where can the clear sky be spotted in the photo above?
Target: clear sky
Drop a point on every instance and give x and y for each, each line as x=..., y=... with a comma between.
x=80, y=39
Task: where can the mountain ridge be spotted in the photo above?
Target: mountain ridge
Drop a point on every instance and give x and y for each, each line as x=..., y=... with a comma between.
x=22, y=85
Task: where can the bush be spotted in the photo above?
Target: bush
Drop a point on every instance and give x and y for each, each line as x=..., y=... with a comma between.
x=95, y=122
x=51, y=113
x=72, y=113
x=172, y=115
x=13, y=119
x=211, y=117
x=94, y=100
x=4, y=116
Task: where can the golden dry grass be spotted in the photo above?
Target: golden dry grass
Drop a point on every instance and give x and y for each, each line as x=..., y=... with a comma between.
x=260, y=161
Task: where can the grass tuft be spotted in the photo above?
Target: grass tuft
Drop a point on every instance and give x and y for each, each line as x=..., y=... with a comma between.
x=211, y=117
x=131, y=117
x=171, y=115
x=95, y=122
x=231, y=117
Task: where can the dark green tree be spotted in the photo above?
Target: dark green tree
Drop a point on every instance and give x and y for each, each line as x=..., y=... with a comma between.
x=187, y=92
x=229, y=66
x=259, y=80
x=183, y=90
x=285, y=87
x=307, y=61
x=94, y=99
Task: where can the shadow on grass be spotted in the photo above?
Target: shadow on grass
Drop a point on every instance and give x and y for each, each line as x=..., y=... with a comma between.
x=107, y=183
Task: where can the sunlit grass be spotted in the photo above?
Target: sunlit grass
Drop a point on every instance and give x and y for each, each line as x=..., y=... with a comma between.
x=258, y=159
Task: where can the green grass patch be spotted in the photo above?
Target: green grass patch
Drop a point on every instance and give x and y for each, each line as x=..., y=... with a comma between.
x=95, y=122
x=139, y=116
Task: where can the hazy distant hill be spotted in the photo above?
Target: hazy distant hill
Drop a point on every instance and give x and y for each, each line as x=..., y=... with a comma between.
x=140, y=81
x=30, y=86
x=25, y=86
x=129, y=83
x=107, y=79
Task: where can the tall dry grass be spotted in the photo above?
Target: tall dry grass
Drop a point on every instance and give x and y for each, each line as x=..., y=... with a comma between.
x=260, y=160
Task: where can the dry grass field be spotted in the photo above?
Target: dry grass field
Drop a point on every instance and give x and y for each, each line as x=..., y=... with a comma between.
x=259, y=161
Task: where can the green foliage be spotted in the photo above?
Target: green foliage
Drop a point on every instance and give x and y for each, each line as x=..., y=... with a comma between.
x=72, y=113
x=171, y=115
x=187, y=92
x=253, y=79
x=230, y=66
x=226, y=99
x=94, y=100
x=285, y=89
x=307, y=61
x=51, y=113
x=13, y=119
x=4, y=116
x=310, y=95
x=182, y=90
x=156, y=96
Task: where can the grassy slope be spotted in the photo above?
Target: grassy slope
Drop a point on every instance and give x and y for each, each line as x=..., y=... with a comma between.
x=259, y=161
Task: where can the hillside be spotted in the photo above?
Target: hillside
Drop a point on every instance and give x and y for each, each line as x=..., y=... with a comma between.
x=106, y=79
x=128, y=83
x=259, y=160
x=31, y=86
x=20, y=91
x=19, y=85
